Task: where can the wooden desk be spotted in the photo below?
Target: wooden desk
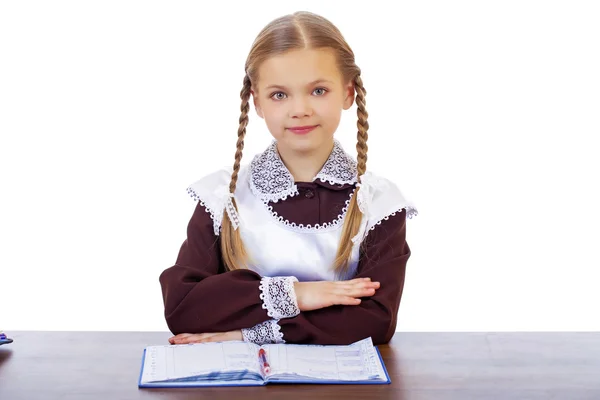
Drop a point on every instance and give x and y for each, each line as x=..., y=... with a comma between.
x=440, y=366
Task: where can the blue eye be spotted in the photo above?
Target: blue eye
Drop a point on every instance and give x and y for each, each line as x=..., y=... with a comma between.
x=276, y=93
x=275, y=96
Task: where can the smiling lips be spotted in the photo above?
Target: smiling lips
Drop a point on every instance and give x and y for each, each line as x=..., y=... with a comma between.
x=300, y=130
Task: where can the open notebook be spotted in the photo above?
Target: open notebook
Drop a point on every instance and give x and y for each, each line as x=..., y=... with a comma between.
x=237, y=363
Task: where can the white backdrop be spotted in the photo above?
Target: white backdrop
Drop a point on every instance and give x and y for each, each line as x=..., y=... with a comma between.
x=485, y=114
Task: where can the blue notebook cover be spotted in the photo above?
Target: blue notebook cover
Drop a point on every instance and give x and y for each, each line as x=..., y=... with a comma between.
x=257, y=382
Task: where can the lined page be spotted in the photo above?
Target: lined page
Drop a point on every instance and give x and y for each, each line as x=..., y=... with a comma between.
x=181, y=361
x=358, y=361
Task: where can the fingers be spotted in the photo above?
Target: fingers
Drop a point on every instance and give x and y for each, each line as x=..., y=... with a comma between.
x=179, y=338
x=347, y=301
x=186, y=338
x=219, y=337
x=317, y=295
x=359, y=282
x=354, y=289
x=358, y=285
x=353, y=281
x=216, y=337
x=357, y=291
x=182, y=335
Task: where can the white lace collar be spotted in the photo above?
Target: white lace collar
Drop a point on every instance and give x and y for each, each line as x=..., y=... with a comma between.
x=270, y=180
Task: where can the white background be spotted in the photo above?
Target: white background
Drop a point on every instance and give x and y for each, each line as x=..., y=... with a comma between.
x=486, y=114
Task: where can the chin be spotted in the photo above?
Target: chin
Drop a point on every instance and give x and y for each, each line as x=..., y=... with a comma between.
x=304, y=143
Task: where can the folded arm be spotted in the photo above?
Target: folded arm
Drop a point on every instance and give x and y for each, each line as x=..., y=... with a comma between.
x=383, y=260
x=200, y=297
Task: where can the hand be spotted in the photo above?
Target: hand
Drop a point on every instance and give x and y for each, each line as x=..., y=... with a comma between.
x=187, y=338
x=315, y=295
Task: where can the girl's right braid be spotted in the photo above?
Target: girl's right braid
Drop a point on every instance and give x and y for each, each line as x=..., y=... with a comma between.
x=245, y=107
x=232, y=246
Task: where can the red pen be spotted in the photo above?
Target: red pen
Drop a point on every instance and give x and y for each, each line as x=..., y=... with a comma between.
x=262, y=355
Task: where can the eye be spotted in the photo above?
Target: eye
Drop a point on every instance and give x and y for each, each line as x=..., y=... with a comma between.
x=278, y=98
x=322, y=89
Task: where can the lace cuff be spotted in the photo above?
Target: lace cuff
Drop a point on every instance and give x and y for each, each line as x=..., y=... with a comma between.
x=279, y=297
x=267, y=332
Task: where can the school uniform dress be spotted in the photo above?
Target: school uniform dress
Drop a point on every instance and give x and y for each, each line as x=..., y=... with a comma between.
x=291, y=231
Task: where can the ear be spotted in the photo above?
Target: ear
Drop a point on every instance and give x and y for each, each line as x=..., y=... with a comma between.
x=256, y=104
x=349, y=99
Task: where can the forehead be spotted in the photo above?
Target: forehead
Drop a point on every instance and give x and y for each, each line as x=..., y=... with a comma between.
x=298, y=68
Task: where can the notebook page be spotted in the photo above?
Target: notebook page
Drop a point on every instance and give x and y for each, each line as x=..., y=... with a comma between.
x=358, y=361
x=180, y=361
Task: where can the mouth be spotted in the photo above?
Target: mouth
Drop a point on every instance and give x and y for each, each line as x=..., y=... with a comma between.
x=300, y=130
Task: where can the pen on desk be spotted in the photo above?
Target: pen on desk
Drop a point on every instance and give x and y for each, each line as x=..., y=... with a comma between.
x=262, y=355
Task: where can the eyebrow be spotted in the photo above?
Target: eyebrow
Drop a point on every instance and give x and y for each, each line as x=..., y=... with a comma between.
x=310, y=84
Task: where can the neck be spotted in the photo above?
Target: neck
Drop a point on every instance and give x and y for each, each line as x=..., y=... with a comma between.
x=305, y=166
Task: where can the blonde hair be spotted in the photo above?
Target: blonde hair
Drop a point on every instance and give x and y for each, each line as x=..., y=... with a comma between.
x=301, y=30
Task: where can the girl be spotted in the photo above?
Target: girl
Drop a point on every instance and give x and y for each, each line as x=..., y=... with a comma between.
x=302, y=245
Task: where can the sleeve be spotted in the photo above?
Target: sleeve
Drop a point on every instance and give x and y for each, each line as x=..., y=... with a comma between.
x=267, y=332
x=200, y=296
x=384, y=260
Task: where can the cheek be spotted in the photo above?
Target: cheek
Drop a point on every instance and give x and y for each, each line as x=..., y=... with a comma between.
x=272, y=112
x=330, y=112
x=274, y=119
x=273, y=115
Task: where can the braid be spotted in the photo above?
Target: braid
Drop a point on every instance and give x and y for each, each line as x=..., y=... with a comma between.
x=354, y=216
x=232, y=247
x=362, y=124
x=245, y=107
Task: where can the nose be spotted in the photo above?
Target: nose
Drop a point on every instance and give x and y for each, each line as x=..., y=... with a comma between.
x=300, y=107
